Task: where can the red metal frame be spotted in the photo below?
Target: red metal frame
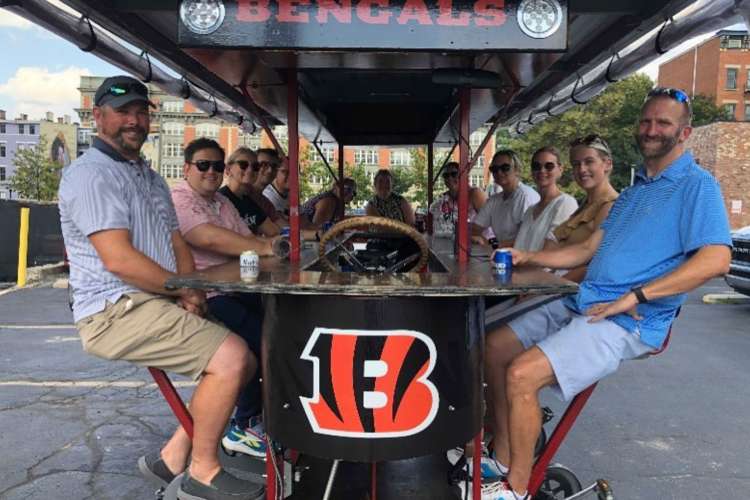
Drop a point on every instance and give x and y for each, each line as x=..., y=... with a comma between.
x=173, y=400
x=292, y=124
x=462, y=233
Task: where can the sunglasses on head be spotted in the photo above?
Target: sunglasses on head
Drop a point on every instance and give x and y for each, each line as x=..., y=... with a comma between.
x=204, y=165
x=676, y=94
x=503, y=167
x=451, y=174
x=537, y=167
x=123, y=89
x=592, y=141
x=243, y=164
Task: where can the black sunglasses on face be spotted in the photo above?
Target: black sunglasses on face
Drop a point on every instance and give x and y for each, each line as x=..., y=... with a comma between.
x=448, y=175
x=504, y=168
x=265, y=164
x=243, y=164
x=537, y=167
x=204, y=165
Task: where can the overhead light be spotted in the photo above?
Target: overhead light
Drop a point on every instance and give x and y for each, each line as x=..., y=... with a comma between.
x=539, y=18
x=202, y=16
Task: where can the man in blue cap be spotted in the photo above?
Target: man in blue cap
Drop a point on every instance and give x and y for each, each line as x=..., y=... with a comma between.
x=123, y=241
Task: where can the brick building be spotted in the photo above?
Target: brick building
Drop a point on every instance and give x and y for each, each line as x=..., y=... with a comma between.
x=723, y=148
x=719, y=67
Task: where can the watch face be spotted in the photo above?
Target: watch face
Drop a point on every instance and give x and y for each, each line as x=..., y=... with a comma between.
x=539, y=18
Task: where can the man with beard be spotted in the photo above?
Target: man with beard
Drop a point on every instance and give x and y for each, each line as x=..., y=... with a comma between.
x=665, y=236
x=123, y=240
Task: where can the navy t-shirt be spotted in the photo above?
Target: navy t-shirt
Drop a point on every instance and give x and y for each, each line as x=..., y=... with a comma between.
x=250, y=212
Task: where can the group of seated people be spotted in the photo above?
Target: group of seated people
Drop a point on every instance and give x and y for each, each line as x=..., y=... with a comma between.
x=127, y=234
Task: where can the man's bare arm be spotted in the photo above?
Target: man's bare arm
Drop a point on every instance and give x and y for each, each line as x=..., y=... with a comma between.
x=130, y=265
x=182, y=253
x=269, y=228
x=226, y=242
x=561, y=258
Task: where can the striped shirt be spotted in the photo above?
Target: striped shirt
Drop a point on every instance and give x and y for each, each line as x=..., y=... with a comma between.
x=101, y=190
x=652, y=229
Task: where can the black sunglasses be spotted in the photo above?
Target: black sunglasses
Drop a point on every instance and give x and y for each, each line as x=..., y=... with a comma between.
x=504, y=168
x=448, y=175
x=243, y=164
x=204, y=165
x=537, y=167
x=123, y=89
x=264, y=164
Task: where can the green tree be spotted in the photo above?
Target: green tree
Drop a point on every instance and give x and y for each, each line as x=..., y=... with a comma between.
x=37, y=177
x=706, y=111
x=418, y=192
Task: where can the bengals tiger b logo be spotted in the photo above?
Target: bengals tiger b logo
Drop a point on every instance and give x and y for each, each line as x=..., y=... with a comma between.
x=370, y=384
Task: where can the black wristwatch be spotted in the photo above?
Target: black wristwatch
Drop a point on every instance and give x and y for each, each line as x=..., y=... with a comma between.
x=638, y=291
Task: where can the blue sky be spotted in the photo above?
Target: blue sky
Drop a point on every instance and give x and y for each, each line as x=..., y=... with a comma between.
x=40, y=71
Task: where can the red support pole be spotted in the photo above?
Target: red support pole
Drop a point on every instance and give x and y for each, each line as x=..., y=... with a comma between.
x=476, y=479
x=341, y=180
x=462, y=235
x=430, y=194
x=270, y=474
x=293, y=133
x=173, y=400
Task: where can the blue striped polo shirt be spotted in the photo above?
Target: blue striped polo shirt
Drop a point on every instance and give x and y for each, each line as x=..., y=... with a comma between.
x=102, y=190
x=653, y=227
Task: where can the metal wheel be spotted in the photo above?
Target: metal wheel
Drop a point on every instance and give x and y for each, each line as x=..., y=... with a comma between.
x=419, y=259
x=559, y=483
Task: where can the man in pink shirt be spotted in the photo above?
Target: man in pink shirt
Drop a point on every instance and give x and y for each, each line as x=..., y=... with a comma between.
x=216, y=233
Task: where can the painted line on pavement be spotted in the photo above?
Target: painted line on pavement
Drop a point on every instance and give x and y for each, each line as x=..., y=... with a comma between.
x=125, y=384
x=66, y=326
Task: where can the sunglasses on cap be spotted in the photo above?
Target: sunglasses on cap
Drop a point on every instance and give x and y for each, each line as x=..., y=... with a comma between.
x=673, y=93
x=243, y=164
x=450, y=174
x=122, y=89
x=204, y=165
x=503, y=167
x=537, y=166
x=593, y=141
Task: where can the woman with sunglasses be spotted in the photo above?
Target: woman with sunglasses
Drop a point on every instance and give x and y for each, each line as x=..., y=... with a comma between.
x=444, y=210
x=240, y=175
x=591, y=160
x=326, y=206
x=554, y=206
x=503, y=211
x=386, y=203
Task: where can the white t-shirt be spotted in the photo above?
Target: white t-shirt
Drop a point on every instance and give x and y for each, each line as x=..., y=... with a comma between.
x=504, y=215
x=280, y=203
x=533, y=232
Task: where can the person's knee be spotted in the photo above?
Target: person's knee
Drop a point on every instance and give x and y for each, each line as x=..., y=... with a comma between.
x=233, y=360
x=502, y=346
x=520, y=379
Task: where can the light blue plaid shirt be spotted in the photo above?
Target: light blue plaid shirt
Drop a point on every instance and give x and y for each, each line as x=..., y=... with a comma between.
x=653, y=227
x=102, y=190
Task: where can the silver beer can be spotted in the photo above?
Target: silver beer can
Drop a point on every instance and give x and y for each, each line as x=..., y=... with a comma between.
x=249, y=265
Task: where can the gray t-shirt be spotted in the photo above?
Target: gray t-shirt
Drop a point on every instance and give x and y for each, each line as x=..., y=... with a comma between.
x=101, y=190
x=504, y=215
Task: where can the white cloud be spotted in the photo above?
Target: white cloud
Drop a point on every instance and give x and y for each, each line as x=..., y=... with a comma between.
x=10, y=20
x=35, y=90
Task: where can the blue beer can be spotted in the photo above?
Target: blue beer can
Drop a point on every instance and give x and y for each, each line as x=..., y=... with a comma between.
x=284, y=232
x=327, y=226
x=502, y=262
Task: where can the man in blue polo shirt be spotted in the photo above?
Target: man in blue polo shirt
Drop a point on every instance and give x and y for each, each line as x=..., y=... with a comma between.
x=665, y=236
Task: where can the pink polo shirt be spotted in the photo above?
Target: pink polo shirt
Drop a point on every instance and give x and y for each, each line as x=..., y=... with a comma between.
x=194, y=210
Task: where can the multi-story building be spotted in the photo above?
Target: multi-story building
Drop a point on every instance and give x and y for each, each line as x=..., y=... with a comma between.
x=22, y=133
x=718, y=67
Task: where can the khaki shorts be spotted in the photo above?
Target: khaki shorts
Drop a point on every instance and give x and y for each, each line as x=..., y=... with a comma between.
x=152, y=330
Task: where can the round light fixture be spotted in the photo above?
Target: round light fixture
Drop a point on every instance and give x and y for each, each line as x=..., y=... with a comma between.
x=539, y=18
x=202, y=16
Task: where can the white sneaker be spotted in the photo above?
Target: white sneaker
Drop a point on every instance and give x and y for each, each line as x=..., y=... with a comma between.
x=498, y=490
x=250, y=441
x=492, y=470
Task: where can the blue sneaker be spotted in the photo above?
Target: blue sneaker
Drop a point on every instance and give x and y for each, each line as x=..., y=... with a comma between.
x=250, y=441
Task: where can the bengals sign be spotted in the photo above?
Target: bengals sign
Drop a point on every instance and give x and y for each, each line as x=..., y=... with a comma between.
x=443, y=25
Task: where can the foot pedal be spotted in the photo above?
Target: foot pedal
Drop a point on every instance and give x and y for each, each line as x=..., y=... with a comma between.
x=458, y=472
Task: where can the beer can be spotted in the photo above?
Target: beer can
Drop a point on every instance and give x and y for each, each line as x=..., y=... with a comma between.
x=327, y=226
x=284, y=232
x=249, y=265
x=502, y=262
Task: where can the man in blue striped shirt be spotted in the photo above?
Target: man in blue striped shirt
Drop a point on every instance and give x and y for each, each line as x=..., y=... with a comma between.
x=665, y=236
x=123, y=241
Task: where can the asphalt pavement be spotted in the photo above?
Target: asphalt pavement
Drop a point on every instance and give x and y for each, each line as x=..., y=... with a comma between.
x=669, y=427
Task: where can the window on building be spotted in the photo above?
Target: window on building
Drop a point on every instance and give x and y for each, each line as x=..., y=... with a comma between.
x=2, y=173
x=173, y=150
x=173, y=128
x=480, y=162
x=172, y=106
x=366, y=156
x=2, y=151
x=400, y=158
x=21, y=128
x=171, y=171
x=747, y=111
x=32, y=129
x=730, y=109
x=475, y=140
x=734, y=43
x=329, y=153
x=475, y=180
x=732, y=78
x=210, y=130
x=2, y=128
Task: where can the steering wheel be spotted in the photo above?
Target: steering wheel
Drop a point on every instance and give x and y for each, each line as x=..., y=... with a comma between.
x=378, y=222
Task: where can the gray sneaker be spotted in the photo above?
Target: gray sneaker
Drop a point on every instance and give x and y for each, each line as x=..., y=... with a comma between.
x=224, y=486
x=153, y=468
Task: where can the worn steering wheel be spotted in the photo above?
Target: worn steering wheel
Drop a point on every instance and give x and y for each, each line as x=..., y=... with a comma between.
x=417, y=260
